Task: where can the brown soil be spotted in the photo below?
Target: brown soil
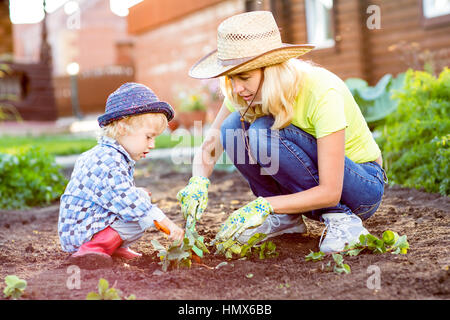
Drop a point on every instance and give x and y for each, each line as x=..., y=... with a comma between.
x=29, y=248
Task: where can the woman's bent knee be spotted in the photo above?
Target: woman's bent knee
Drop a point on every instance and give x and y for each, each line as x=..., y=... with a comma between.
x=366, y=211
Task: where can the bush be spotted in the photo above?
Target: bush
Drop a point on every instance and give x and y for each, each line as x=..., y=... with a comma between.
x=29, y=177
x=415, y=139
x=376, y=102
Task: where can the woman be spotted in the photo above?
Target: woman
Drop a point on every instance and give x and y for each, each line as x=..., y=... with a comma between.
x=323, y=163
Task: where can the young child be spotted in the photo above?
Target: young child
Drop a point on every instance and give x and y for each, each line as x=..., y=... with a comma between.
x=102, y=211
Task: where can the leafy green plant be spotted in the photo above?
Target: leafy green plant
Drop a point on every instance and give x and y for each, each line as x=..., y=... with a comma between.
x=414, y=139
x=376, y=102
x=314, y=256
x=15, y=287
x=339, y=266
x=390, y=242
x=233, y=247
x=181, y=254
x=267, y=250
x=107, y=293
x=29, y=177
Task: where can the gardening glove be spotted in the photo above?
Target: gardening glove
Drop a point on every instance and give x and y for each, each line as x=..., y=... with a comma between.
x=251, y=215
x=194, y=199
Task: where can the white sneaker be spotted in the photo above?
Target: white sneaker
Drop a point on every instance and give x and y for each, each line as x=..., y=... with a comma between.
x=275, y=225
x=342, y=229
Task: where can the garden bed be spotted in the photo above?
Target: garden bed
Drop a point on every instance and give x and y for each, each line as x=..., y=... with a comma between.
x=29, y=248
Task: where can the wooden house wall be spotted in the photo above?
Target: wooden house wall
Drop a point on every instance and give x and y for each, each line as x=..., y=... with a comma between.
x=346, y=58
x=358, y=51
x=402, y=20
x=371, y=53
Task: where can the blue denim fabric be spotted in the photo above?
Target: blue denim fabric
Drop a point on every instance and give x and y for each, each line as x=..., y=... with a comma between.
x=289, y=156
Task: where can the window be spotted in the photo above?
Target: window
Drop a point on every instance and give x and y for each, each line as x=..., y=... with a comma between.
x=435, y=13
x=435, y=8
x=319, y=23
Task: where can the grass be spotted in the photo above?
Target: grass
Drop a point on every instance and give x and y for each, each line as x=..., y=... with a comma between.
x=57, y=145
x=60, y=145
x=171, y=141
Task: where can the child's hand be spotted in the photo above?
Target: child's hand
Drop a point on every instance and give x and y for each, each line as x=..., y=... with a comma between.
x=176, y=233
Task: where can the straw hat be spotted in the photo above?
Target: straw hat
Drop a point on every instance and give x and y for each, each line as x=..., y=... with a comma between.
x=245, y=42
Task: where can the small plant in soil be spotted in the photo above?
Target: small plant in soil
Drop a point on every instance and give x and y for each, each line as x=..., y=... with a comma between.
x=231, y=248
x=15, y=287
x=181, y=254
x=389, y=242
x=107, y=293
x=339, y=266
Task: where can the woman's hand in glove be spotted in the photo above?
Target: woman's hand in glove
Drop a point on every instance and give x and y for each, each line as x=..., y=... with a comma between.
x=251, y=215
x=194, y=199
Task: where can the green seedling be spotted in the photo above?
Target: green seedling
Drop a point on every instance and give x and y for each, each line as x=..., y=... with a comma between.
x=389, y=242
x=268, y=250
x=15, y=287
x=181, y=254
x=284, y=285
x=232, y=247
x=338, y=267
x=314, y=256
x=326, y=267
x=107, y=293
x=198, y=246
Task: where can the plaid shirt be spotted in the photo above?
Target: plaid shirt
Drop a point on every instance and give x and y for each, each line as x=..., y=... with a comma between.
x=101, y=190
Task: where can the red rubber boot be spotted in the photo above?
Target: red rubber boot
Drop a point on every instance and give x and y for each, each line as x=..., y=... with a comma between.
x=97, y=252
x=126, y=253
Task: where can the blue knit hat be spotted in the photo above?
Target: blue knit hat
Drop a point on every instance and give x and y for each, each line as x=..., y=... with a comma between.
x=133, y=99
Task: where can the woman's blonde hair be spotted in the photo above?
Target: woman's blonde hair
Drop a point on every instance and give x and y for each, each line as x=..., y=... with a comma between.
x=131, y=123
x=282, y=83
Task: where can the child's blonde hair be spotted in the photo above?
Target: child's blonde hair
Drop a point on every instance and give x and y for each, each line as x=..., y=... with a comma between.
x=131, y=123
x=282, y=83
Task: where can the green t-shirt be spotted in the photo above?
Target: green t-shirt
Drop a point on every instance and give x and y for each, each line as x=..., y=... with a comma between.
x=325, y=105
